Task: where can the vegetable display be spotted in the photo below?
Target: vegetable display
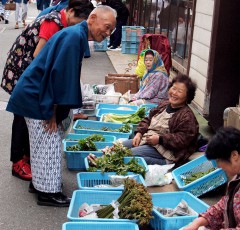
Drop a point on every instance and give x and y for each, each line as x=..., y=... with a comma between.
x=123, y=129
x=134, y=203
x=86, y=144
x=113, y=161
x=195, y=176
x=134, y=118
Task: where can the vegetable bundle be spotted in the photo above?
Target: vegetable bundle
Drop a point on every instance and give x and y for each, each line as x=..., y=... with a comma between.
x=113, y=161
x=87, y=144
x=123, y=129
x=195, y=176
x=134, y=203
x=134, y=118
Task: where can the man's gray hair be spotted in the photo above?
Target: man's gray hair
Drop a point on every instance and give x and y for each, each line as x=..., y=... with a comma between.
x=105, y=9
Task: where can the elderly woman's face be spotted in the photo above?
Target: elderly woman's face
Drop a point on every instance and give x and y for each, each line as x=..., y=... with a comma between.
x=177, y=95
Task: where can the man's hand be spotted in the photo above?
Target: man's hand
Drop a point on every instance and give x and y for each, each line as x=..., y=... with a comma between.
x=137, y=139
x=50, y=125
x=153, y=140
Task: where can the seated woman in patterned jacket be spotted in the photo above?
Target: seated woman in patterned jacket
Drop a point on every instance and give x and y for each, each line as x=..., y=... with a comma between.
x=169, y=134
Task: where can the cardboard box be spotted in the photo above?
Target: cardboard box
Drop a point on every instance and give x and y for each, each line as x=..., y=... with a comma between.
x=123, y=82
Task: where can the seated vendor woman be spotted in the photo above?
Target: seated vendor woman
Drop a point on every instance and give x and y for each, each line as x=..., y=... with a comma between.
x=154, y=84
x=169, y=134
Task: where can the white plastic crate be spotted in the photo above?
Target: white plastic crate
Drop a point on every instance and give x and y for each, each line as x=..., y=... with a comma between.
x=110, y=99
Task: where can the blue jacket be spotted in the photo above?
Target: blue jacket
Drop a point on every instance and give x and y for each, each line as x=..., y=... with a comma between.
x=53, y=77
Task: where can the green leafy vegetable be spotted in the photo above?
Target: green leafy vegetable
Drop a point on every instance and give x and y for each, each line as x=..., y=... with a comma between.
x=134, y=118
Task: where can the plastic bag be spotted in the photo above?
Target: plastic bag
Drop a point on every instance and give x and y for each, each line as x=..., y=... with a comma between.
x=87, y=92
x=103, y=89
x=158, y=176
x=182, y=209
x=125, y=98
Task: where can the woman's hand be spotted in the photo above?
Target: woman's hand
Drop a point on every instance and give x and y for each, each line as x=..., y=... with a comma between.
x=137, y=139
x=153, y=140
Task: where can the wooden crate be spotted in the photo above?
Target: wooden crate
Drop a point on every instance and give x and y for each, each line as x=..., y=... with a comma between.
x=123, y=82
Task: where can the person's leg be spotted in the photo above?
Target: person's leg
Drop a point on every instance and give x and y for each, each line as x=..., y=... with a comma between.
x=46, y=163
x=128, y=143
x=24, y=13
x=6, y=15
x=17, y=14
x=117, y=35
x=20, y=150
x=150, y=154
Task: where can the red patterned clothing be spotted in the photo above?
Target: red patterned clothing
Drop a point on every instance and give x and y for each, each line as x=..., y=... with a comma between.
x=21, y=53
x=226, y=213
x=49, y=28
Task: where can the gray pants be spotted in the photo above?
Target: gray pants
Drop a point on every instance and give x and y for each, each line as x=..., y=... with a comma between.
x=149, y=153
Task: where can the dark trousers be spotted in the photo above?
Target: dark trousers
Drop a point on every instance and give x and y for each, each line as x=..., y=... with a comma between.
x=116, y=37
x=20, y=139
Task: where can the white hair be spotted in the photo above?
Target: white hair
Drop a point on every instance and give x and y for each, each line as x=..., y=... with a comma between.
x=104, y=8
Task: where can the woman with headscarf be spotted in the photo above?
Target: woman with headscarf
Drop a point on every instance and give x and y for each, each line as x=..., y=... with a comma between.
x=154, y=84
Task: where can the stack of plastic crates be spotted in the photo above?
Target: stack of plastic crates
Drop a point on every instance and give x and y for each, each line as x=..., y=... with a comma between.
x=131, y=38
x=100, y=46
x=204, y=184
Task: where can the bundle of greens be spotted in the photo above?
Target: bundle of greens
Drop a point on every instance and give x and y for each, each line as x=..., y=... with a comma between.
x=123, y=129
x=134, y=118
x=113, y=161
x=95, y=137
x=83, y=145
x=135, y=203
x=195, y=176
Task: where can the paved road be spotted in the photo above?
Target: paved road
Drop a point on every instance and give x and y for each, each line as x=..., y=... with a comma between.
x=19, y=210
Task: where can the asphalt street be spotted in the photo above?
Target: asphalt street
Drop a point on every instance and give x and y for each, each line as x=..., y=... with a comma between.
x=19, y=210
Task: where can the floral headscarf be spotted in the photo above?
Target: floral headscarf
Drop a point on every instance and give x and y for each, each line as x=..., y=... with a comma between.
x=158, y=66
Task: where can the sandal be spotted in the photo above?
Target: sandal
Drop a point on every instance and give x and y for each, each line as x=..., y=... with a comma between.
x=16, y=26
x=22, y=170
x=24, y=23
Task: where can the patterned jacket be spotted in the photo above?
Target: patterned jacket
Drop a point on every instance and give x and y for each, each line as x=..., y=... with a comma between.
x=21, y=54
x=183, y=132
x=226, y=213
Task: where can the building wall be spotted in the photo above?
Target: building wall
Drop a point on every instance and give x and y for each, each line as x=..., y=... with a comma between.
x=200, y=51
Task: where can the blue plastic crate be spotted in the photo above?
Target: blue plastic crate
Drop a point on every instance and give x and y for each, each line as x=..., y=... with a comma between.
x=77, y=137
x=204, y=184
x=87, y=180
x=140, y=160
x=92, y=197
x=171, y=200
x=96, y=128
x=102, y=111
x=100, y=46
x=132, y=33
x=115, y=106
x=99, y=226
x=75, y=159
x=130, y=47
